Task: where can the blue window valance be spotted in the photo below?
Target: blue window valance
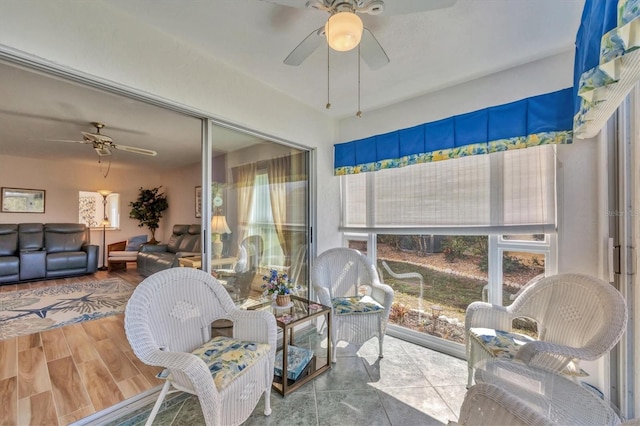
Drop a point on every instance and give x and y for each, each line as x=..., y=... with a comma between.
x=607, y=62
x=539, y=120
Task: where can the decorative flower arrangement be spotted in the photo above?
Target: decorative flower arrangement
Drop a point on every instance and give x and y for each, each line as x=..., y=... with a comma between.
x=278, y=284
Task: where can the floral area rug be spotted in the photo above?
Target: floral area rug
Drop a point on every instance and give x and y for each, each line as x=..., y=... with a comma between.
x=32, y=311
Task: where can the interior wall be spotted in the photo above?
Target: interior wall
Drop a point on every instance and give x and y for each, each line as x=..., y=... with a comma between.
x=180, y=187
x=62, y=184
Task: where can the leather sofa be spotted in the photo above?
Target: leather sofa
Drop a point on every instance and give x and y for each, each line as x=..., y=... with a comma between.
x=184, y=241
x=36, y=251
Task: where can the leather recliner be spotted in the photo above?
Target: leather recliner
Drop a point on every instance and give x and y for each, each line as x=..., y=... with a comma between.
x=32, y=251
x=184, y=241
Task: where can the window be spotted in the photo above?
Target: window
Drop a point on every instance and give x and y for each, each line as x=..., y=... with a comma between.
x=93, y=208
x=261, y=222
x=474, y=228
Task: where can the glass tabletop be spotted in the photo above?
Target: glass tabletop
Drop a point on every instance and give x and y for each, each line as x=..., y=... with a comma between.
x=300, y=309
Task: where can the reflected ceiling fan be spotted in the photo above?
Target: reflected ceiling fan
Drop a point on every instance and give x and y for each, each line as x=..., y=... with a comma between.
x=103, y=144
x=344, y=30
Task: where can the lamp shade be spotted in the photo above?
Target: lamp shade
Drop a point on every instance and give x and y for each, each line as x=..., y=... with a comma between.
x=219, y=225
x=104, y=192
x=343, y=31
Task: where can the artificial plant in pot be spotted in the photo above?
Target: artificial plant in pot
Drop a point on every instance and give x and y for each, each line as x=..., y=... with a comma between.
x=148, y=208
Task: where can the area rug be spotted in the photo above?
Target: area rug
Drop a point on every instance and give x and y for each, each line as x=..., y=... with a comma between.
x=32, y=311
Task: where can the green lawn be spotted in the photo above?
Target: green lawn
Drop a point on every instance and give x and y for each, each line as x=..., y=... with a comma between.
x=451, y=292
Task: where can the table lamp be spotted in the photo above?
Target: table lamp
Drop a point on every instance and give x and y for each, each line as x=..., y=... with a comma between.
x=218, y=226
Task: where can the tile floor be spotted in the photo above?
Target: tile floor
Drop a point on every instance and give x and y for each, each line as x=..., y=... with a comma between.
x=411, y=385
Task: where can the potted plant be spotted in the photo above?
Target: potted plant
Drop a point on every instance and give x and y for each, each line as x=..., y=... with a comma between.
x=280, y=286
x=148, y=208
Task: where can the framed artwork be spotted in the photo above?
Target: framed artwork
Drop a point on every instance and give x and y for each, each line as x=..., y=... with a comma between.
x=198, y=201
x=19, y=200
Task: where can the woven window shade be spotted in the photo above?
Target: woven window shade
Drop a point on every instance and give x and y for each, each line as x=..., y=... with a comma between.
x=491, y=193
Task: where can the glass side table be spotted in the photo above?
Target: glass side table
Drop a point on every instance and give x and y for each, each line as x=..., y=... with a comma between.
x=300, y=311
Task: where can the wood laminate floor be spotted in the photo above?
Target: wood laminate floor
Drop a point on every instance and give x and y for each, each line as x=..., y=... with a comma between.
x=62, y=375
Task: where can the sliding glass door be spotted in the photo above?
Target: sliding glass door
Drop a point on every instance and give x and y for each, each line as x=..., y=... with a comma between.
x=259, y=212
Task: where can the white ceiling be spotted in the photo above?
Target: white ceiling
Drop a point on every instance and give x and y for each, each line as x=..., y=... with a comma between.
x=428, y=51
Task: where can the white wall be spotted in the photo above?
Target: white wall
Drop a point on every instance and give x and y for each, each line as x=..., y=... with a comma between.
x=63, y=181
x=180, y=187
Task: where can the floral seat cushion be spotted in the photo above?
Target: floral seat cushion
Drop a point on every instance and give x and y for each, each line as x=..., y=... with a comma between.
x=355, y=305
x=501, y=344
x=505, y=345
x=226, y=358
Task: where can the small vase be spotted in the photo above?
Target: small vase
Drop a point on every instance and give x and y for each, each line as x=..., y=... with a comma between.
x=283, y=299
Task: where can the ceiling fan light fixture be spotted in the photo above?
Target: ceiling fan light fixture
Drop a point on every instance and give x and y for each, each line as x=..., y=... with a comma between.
x=344, y=31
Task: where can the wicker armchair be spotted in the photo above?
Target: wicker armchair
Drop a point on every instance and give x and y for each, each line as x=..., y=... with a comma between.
x=579, y=318
x=511, y=393
x=487, y=404
x=348, y=282
x=168, y=323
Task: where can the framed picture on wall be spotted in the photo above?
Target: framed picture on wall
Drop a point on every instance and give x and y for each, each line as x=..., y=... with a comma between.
x=198, y=201
x=18, y=200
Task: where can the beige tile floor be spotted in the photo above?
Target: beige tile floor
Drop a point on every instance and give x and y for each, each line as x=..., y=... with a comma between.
x=411, y=385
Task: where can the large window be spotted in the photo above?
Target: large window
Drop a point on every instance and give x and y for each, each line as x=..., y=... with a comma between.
x=94, y=208
x=475, y=228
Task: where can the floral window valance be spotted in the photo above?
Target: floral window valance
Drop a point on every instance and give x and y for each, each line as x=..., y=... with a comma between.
x=607, y=62
x=539, y=120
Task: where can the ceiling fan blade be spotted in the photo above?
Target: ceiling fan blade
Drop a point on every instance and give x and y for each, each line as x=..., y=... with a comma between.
x=371, y=51
x=306, y=47
x=403, y=7
x=55, y=140
x=134, y=150
x=290, y=3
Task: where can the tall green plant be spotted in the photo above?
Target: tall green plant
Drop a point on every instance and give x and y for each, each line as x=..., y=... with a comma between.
x=148, y=208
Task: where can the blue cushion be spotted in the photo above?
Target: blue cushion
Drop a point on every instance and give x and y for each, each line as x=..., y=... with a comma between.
x=134, y=243
x=355, y=305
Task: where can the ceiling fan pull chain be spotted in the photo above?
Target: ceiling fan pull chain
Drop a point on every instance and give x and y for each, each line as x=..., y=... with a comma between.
x=108, y=167
x=359, y=113
x=328, y=53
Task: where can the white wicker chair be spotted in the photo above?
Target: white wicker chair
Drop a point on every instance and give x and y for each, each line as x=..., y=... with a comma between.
x=169, y=315
x=579, y=318
x=515, y=394
x=341, y=273
x=487, y=404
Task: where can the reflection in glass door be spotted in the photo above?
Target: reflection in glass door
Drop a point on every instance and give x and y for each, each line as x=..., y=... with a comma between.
x=260, y=213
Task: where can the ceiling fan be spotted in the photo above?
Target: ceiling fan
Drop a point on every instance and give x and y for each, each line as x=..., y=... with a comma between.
x=344, y=30
x=103, y=144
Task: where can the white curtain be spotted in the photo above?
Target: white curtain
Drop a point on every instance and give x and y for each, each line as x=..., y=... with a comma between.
x=243, y=180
